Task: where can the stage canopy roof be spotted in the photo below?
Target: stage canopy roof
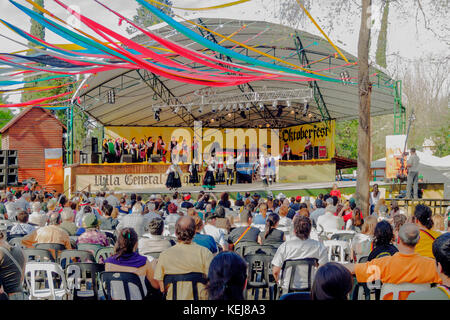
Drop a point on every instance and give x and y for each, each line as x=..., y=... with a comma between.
x=129, y=98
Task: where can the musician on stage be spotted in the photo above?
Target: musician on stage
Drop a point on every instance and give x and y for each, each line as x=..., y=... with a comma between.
x=413, y=175
x=118, y=149
x=111, y=151
x=104, y=150
x=271, y=168
x=173, y=145
x=231, y=168
x=262, y=166
x=183, y=152
x=308, y=149
x=125, y=146
x=142, y=147
x=286, y=154
x=160, y=145
x=150, y=146
x=134, y=150
x=195, y=149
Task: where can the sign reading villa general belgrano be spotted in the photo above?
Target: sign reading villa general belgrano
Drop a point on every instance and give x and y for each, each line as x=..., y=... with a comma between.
x=124, y=181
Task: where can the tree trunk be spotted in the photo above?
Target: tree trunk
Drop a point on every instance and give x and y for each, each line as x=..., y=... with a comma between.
x=364, y=87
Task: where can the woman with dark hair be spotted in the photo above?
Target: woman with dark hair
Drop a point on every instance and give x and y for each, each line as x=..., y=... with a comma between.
x=227, y=277
x=224, y=200
x=123, y=208
x=133, y=200
x=332, y=282
x=134, y=150
x=398, y=220
x=126, y=259
x=271, y=235
x=356, y=221
x=422, y=218
x=150, y=146
x=382, y=241
x=142, y=147
x=395, y=209
x=374, y=197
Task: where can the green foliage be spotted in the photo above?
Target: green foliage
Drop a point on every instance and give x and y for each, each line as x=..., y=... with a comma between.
x=441, y=137
x=5, y=115
x=347, y=138
x=144, y=18
x=382, y=38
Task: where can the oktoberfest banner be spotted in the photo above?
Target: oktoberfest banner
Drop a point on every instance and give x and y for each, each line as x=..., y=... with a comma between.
x=319, y=135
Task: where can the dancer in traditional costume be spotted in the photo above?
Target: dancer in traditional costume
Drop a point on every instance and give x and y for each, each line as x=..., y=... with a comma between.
x=174, y=174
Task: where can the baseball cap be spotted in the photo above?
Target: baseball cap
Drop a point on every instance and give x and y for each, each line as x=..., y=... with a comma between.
x=298, y=198
x=187, y=197
x=238, y=196
x=90, y=220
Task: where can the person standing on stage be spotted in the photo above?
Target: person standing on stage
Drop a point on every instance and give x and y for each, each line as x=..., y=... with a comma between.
x=160, y=145
x=193, y=173
x=220, y=176
x=208, y=180
x=111, y=151
x=308, y=149
x=125, y=146
x=142, y=147
x=263, y=168
x=172, y=146
x=150, y=145
x=104, y=150
x=230, y=164
x=413, y=175
x=271, y=168
x=195, y=149
x=118, y=149
x=174, y=174
x=134, y=150
x=183, y=154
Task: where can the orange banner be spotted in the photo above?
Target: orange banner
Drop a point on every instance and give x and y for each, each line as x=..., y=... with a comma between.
x=54, y=173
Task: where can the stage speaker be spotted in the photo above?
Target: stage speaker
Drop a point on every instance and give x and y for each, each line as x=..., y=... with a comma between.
x=156, y=158
x=94, y=158
x=127, y=158
x=94, y=145
x=316, y=152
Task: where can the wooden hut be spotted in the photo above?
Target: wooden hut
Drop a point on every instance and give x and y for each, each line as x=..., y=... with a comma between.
x=31, y=132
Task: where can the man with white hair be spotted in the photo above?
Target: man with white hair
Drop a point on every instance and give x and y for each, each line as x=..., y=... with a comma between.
x=328, y=222
x=11, y=207
x=68, y=224
x=112, y=199
x=37, y=217
x=134, y=220
x=320, y=211
x=404, y=266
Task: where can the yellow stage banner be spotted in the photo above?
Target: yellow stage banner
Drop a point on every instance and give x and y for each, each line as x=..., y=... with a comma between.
x=320, y=136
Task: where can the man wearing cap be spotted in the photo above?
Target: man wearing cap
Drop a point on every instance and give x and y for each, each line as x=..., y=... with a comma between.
x=295, y=205
x=92, y=233
x=187, y=203
x=51, y=233
x=173, y=214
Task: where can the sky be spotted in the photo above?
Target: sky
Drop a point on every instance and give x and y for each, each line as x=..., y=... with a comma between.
x=403, y=37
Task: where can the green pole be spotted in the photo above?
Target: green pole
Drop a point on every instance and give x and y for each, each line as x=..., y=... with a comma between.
x=71, y=134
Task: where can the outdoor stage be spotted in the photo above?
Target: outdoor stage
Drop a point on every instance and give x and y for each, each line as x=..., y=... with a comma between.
x=151, y=177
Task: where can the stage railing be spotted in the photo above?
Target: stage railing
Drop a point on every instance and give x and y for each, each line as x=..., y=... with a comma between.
x=438, y=206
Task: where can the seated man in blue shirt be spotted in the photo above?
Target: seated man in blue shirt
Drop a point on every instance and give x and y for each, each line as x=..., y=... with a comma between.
x=204, y=240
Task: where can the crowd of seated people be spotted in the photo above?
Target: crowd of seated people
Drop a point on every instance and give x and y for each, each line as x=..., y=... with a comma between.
x=157, y=236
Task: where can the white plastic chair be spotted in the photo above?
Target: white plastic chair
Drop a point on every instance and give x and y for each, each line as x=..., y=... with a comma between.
x=395, y=289
x=52, y=292
x=338, y=249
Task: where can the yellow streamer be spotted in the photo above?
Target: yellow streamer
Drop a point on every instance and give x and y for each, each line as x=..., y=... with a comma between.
x=252, y=49
x=201, y=9
x=321, y=31
x=231, y=35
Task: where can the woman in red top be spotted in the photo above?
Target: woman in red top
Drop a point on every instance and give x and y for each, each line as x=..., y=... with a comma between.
x=335, y=191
